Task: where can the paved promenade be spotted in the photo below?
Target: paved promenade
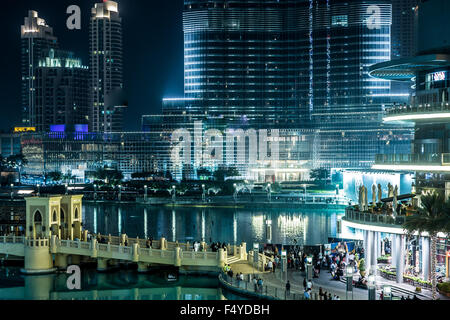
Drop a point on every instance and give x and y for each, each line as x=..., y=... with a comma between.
x=338, y=287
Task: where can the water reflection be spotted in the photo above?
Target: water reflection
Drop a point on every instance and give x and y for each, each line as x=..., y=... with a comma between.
x=289, y=226
x=121, y=285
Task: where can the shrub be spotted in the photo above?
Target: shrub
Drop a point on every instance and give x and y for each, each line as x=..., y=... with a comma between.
x=362, y=265
x=444, y=287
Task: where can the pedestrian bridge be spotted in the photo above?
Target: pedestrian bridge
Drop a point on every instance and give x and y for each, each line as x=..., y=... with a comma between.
x=161, y=252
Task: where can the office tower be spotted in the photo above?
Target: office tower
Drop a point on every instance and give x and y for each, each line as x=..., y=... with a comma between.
x=403, y=31
x=403, y=42
x=244, y=62
x=429, y=111
x=36, y=38
x=295, y=64
x=105, y=40
x=61, y=92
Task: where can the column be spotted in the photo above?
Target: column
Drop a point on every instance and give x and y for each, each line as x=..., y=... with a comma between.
x=369, y=251
x=373, y=251
x=393, y=249
x=400, y=257
x=365, y=242
x=425, y=258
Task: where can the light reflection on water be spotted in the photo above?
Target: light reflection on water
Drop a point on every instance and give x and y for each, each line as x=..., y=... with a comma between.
x=305, y=226
x=120, y=285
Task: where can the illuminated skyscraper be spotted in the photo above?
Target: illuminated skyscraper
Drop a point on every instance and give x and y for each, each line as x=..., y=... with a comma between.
x=295, y=64
x=37, y=38
x=105, y=39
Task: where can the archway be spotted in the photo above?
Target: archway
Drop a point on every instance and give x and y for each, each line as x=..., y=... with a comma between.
x=54, y=224
x=63, y=224
x=37, y=222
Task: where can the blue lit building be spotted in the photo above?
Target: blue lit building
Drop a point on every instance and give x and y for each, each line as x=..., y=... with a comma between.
x=299, y=64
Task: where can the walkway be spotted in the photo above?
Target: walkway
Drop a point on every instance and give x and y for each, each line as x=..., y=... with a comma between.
x=167, y=253
x=339, y=287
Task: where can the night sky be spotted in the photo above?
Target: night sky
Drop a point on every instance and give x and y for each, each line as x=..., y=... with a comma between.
x=153, y=51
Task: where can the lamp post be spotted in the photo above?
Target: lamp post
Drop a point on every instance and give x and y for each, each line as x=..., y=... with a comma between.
x=66, y=186
x=95, y=192
x=387, y=292
x=269, y=230
x=174, y=193
x=255, y=255
x=235, y=192
x=145, y=193
x=269, y=192
x=349, y=277
x=203, y=193
x=309, y=268
x=39, y=190
x=12, y=191
x=371, y=283
x=283, y=266
x=304, y=189
x=120, y=192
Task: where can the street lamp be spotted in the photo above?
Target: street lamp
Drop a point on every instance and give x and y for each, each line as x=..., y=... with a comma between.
x=255, y=255
x=39, y=190
x=145, y=193
x=309, y=268
x=269, y=230
x=174, y=193
x=203, y=193
x=387, y=292
x=235, y=192
x=269, y=192
x=120, y=192
x=371, y=283
x=95, y=192
x=66, y=186
x=283, y=266
x=12, y=191
x=349, y=276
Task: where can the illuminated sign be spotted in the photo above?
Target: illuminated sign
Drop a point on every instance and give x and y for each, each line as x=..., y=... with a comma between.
x=24, y=129
x=439, y=76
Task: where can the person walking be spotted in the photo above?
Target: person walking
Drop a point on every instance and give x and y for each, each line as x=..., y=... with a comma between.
x=304, y=283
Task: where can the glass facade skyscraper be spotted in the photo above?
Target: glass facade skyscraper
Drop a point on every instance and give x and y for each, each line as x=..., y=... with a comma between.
x=36, y=39
x=105, y=44
x=295, y=64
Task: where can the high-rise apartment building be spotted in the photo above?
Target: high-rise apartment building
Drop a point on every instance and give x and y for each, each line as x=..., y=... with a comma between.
x=105, y=43
x=61, y=92
x=36, y=39
x=295, y=64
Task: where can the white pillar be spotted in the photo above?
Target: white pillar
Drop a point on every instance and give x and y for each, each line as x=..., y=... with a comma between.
x=393, y=249
x=366, y=245
x=425, y=258
x=374, y=251
x=400, y=257
x=369, y=250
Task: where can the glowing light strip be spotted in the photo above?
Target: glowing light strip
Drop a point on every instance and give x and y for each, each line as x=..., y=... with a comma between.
x=393, y=229
x=426, y=168
x=279, y=170
x=417, y=116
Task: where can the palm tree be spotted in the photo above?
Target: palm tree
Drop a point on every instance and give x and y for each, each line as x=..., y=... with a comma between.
x=429, y=218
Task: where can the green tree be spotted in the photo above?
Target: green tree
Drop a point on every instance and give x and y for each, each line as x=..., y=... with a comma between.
x=221, y=174
x=17, y=161
x=431, y=218
x=110, y=176
x=55, y=176
x=320, y=175
x=203, y=172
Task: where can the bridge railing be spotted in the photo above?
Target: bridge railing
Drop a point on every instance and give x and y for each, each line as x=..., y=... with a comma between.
x=11, y=239
x=33, y=242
